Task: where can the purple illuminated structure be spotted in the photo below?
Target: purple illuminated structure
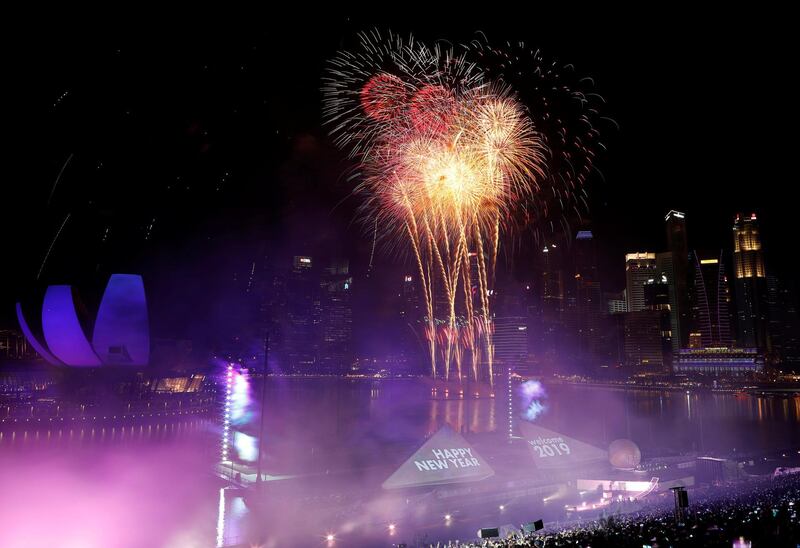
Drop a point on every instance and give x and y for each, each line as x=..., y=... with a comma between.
x=121, y=332
x=63, y=331
x=39, y=347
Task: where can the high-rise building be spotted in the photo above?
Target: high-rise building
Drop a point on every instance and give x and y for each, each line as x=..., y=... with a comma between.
x=552, y=283
x=411, y=328
x=657, y=299
x=588, y=295
x=300, y=336
x=511, y=340
x=616, y=303
x=750, y=279
x=545, y=304
x=711, y=302
x=336, y=318
x=639, y=267
x=409, y=300
x=665, y=265
x=643, y=341
x=678, y=276
x=784, y=322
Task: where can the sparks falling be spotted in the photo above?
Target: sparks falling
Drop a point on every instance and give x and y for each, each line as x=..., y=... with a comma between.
x=451, y=162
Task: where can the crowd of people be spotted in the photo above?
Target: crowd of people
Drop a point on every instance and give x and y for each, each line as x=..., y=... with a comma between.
x=758, y=514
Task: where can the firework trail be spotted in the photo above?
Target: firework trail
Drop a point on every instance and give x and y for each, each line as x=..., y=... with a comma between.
x=52, y=243
x=457, y=148
x=58, y=178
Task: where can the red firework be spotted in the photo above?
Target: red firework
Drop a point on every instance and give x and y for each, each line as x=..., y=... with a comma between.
x=431, y=109
x=383, y=97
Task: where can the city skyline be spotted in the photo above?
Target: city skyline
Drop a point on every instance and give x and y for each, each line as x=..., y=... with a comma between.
x=339, y=278
x=83, y=181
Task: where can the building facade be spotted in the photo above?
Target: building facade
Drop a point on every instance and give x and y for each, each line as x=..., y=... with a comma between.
x=639, y=267
x=677, y=271
x=711, y=300
x=750, y=278
x=723, y=361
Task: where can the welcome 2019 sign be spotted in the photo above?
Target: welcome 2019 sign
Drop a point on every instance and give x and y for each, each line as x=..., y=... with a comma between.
x=444, y=458
x=553, y=450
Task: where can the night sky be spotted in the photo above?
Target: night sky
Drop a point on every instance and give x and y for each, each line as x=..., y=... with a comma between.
x=188, y=150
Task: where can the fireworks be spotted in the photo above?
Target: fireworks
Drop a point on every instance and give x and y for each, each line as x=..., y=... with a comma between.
x=452, y=159
x=531, y=395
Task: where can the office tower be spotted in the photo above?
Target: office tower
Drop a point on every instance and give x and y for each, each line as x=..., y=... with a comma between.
x=552, y=282
x=336, y=318
x=711, y=303
x=511, y=340
x=616, y=303
x=410, y=311
x=643, y=341
x=751, y=283
x=784, y=322
x=678, y=276
x=553, y=301
x=588, y=295
x=302, y=316
x=411, y=325
x=665, y=265
x=639, y=267
x=657, y=299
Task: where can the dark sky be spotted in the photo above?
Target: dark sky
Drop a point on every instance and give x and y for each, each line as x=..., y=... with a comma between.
x=187, y=146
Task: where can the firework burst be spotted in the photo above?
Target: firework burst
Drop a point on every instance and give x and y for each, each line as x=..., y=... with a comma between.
x=452, y=159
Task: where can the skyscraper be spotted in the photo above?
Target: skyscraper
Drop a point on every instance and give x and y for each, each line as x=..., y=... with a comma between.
x=336, y=318
x=410, y=346
x=784, y=322
x=588, y=295
x=639, y=267
x=751, y=283
x=511, y=340
x=666, y=268
x=301, y=339
x=657, y=299
x=616, y=303
x=553, y=301
x=643, y=342
x=678, y=276
x=410, y=310
x=711, y=303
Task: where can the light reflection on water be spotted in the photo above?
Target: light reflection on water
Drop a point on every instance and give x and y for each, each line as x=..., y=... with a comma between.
x=87, y=436
x=653, y=418
x=320, y=414
x=316, y=424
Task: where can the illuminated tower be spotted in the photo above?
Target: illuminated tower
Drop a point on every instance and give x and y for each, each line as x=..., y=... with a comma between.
x=678, y=276
x=751, y=283
x=711, y=301
x=639, y=267
x=657, y=299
